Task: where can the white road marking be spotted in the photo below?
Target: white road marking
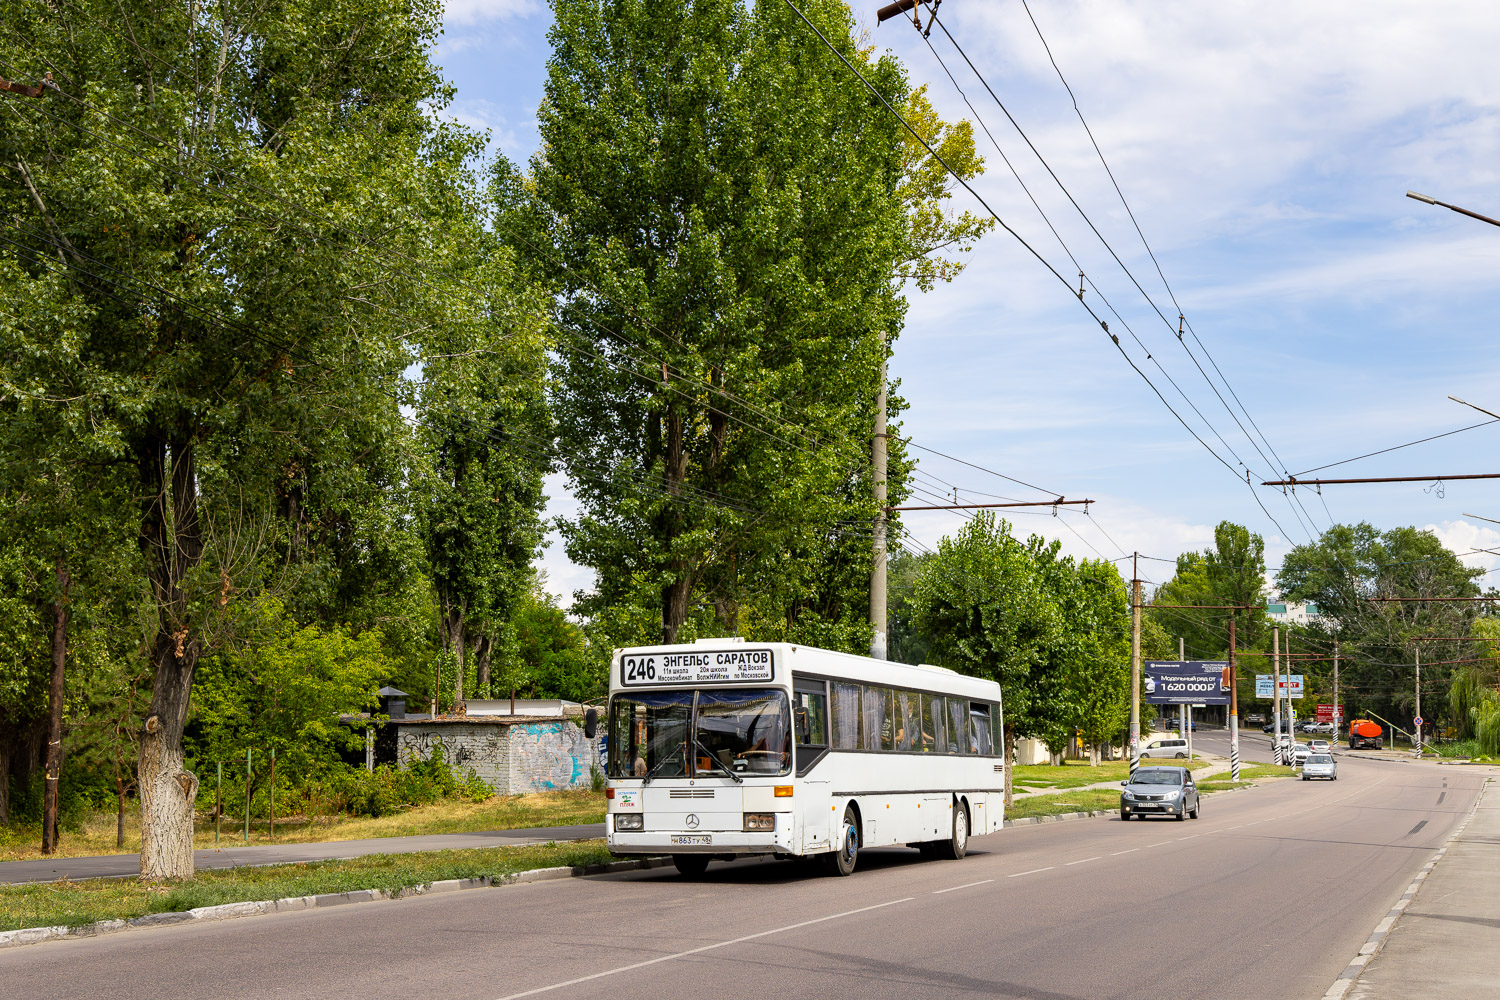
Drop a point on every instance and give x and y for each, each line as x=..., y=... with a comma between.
x=1083, y=861
x=1190, y=837
x=1163, y=843
x=1131, y=851
x=700, y=950
x=1032, y=872
x=967, y=885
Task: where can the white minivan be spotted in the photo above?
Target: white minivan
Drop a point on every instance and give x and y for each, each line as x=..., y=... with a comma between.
x=1165, y=746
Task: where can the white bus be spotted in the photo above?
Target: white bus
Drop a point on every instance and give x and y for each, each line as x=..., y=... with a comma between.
x=721, y=748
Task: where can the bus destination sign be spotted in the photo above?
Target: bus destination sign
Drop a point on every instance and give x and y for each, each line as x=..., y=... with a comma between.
x=709, y=666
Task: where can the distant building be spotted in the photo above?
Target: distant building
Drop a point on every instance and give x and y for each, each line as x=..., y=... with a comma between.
x=1283, y=612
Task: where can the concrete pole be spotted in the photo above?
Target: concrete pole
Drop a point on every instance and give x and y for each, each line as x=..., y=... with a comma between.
x=1234, y=708
x=1417, y=730
x=1187, y=710
x=1135, y=664
x=1276, y=692
x=1338, y=711
x=878, y=563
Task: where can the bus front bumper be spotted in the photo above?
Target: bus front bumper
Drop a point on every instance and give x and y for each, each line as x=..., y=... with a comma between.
x=689, y=842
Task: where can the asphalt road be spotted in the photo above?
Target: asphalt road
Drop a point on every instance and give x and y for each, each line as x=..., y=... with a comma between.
x=1268, y=895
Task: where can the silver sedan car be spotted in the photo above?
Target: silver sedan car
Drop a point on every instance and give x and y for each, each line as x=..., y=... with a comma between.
x=1160, y=791
x=1320, y=765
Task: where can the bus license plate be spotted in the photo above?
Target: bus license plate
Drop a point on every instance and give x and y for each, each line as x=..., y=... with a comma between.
x=693, y=839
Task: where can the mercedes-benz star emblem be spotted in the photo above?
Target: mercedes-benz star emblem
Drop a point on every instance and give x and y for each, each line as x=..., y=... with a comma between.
x=692, y=821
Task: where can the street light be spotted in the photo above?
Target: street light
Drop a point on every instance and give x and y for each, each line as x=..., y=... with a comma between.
x=1452, y=208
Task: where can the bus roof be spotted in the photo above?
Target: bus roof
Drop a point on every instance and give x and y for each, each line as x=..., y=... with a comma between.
x=803, y=659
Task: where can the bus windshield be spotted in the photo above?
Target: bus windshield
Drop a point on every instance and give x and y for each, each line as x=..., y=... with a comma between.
x=648, y=734
x=747, y=732
x=739, y=731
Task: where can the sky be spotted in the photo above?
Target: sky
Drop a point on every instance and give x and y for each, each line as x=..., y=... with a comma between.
x=1265, y=153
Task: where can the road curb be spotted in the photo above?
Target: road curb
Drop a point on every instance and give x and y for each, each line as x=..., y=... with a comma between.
x=251, y=908
x=1367, y=951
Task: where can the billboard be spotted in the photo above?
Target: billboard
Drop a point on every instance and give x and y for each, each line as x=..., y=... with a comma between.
x=1291, y=685
x=1325, y=714
x=1187, y=682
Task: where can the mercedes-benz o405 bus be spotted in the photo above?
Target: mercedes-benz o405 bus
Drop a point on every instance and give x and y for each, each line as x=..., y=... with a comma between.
x=722, y=747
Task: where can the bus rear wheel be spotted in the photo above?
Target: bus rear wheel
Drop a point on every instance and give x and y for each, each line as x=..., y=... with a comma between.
x=957, y=844
x=841, y=861
x=690, y=865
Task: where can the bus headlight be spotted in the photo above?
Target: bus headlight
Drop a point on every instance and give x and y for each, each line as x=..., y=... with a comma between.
x=629, y=821
x=756, y=822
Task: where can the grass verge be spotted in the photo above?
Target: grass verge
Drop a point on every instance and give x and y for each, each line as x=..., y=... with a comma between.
x=1066, y=802
x=96, y=836
x=75, y=903
x=1073, y=774
x=1248, y=772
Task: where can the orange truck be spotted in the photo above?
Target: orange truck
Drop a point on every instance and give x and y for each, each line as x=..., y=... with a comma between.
x=1366, y=735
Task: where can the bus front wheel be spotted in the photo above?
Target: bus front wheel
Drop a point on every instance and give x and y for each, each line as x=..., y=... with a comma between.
x=841, y=861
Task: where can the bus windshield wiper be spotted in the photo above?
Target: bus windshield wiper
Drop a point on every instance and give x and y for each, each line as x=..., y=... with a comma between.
x=661, y=764
x=699, y=744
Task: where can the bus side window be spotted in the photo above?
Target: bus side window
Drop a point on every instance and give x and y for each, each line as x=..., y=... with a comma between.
x=958, y=727
x=997, y=736
x=980, y=729
x=845, y=715
x=810, y=710
x=934, y=735
x=906, y=716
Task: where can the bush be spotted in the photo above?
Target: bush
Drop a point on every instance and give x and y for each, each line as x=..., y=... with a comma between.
x=388, y=790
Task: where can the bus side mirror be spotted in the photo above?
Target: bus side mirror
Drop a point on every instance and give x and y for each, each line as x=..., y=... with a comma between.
x=591, y=723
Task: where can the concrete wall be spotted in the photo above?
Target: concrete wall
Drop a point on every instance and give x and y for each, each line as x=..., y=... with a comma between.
x=512, y=758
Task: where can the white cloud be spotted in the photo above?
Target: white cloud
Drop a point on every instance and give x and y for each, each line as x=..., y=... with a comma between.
x=478, y=11
x=1463, y=537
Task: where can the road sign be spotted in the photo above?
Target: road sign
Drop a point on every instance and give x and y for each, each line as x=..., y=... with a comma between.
x=1417, y=721
x=1187, y=682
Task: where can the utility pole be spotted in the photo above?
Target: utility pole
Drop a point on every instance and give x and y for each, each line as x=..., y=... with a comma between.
x=1417, y=722
x=1276, y=692
x=1135, y=664
x=1338, y=706
x=878, y=564
x=1186, y=709
x=1234, y=707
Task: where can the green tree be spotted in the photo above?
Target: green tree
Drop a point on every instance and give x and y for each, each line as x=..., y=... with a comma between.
x=1349, y=565
x=1232, y=572
x=981, y=602
x=729, y=225
x=282, y=688
x=195, y=212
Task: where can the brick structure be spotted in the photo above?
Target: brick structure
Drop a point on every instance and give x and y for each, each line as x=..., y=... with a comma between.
x=513, y=754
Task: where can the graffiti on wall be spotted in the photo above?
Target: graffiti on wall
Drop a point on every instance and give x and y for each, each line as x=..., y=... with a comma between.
x=552, y=755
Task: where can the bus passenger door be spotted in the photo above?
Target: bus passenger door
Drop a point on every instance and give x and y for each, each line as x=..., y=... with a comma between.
x=815, y=816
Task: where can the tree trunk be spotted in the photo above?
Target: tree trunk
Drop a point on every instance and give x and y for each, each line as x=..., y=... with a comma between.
x=460, y=648
x=676, y=595
x=167, y=794
x=55, y=710
x=172, y=548
x=484, y=646
x=5, y=753
x=1010, y=756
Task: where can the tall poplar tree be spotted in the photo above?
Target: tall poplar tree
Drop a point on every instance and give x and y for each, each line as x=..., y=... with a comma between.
x=729, y=215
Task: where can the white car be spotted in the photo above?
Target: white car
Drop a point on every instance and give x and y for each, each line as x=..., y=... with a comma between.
x=1320, y=765
x=1319, y=746
x=1300, y=753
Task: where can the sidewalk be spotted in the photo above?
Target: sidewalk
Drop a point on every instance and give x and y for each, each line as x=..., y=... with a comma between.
x=129, y=865
x=1443, y=944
